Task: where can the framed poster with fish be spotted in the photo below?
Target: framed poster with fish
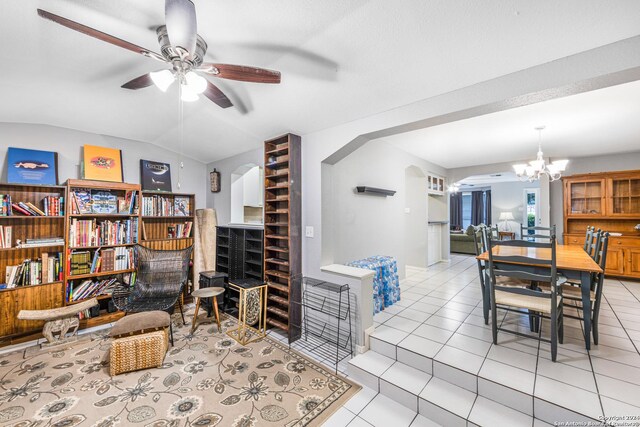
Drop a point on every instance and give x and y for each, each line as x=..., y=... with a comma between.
x=155, y=176
x=102, y=164
x=32, y=166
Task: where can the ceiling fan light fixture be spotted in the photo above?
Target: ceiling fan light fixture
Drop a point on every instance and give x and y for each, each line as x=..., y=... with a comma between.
x=181, y=24
x=162, y=79
x=188, y=94
x=196, y=82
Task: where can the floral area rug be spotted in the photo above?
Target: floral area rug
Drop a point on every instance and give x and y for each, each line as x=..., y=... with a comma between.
x=207, y=379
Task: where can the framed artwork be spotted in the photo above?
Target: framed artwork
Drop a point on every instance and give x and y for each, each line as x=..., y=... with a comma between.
x=32, y=166
x=155, y=176
x=181, y=206
x=102, y=164
x=104, y=202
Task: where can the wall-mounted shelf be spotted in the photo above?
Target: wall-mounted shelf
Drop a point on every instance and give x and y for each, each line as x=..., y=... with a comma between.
x=374, y=191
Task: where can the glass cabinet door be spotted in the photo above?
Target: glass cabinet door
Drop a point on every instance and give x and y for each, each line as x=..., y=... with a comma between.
x=586, y=197
x=624, y=196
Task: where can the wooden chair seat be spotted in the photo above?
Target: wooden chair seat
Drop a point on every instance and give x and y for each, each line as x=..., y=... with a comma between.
x=511, y=282
x=569, y=291
x=541, y=305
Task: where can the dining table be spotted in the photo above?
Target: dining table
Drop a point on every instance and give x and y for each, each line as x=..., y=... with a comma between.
x=572, y=261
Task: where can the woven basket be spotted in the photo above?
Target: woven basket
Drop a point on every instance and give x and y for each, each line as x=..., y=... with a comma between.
x=138, y=352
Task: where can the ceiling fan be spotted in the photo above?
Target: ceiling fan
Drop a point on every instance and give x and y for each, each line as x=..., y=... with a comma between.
x=183, y=49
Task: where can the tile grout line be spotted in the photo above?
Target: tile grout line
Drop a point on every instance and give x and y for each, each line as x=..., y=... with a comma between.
x=621, y=324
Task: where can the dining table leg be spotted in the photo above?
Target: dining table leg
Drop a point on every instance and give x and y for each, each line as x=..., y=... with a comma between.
x=585, y=288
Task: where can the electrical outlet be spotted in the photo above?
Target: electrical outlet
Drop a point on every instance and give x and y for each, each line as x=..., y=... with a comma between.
x=308, y=231
x=407, y=210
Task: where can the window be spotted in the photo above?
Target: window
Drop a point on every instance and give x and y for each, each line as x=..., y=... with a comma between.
x=466, y=210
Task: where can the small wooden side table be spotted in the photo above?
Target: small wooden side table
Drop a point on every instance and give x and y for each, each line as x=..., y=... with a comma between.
x=206, y=293
x=245, y=333
x=503, y=234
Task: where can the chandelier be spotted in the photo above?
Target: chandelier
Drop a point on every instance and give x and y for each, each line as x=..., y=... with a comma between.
x=537, y=168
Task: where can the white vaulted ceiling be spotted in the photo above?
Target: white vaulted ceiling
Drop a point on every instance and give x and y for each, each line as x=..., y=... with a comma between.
x=341, y=60
x=603, y=121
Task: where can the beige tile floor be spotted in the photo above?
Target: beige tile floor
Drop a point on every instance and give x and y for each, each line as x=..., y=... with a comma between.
x=438, y=325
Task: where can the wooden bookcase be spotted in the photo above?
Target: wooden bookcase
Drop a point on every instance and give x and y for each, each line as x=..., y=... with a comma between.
x=609, y=201
x=120, y=190
x=32, y=297
x=282, y=233
x=155, y=224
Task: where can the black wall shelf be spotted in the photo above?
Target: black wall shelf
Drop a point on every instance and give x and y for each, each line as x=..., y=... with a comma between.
x=375, y=191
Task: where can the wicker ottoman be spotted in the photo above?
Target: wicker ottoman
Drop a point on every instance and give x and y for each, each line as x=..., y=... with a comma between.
x=140, y=342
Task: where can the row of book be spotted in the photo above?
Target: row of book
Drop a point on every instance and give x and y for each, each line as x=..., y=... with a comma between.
x=46, y=269
x=51, y=206
x=6, y=236
x=103, y=260
x=176, y=231
x=88, y=201
x=91, y=233
x=113, y=259
x=166, y=206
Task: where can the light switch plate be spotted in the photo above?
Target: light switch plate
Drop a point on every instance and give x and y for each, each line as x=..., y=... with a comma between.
x=308, y=231
x=407, y=210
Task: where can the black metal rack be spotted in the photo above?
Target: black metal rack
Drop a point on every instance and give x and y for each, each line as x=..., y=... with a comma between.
x=326, y=319
x=239, y=255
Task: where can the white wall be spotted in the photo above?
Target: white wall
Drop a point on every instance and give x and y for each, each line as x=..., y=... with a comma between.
x=578, y=165
x=612, y=64
x=509, y=197
x=415, y=217
x=68, y=144
x=366, y=225
x=221, y=201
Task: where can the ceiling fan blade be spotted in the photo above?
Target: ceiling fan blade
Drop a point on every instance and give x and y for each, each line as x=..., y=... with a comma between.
x=99, y=35
x=241, y=72
x=213, y=93
x=139, y=82
x=182, y=27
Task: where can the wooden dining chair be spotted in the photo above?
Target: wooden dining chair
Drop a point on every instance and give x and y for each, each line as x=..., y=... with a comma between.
x=572, y=293
x=505, y=270
x=588, y=239
x=537, y=232
x=479, y=247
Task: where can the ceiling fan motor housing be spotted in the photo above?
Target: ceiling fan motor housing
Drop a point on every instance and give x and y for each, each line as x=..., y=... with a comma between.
x=172, y=55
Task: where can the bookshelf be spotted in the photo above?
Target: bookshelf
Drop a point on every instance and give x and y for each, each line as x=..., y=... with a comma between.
x=27, y=227
x=161, y=210
x=102, y=228
x=111, y=231
x=282, y=228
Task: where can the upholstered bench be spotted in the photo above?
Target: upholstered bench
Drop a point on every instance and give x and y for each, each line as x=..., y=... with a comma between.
x=140, y=341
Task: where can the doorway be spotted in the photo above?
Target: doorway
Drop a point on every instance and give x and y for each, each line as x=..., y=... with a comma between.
x=531, y=211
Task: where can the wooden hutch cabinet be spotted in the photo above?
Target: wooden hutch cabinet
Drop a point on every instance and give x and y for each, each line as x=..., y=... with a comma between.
x=610, y=201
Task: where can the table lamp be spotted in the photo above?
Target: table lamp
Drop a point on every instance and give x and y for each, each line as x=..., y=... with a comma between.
x=506, y=217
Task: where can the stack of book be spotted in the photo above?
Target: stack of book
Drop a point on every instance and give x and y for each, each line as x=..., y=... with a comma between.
x=46, y=269
x=51, y=206
x=6, y=236
x=90, y=233
x=44, y=241
x=90, y=288
x=176, y=231
x=156, y=205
